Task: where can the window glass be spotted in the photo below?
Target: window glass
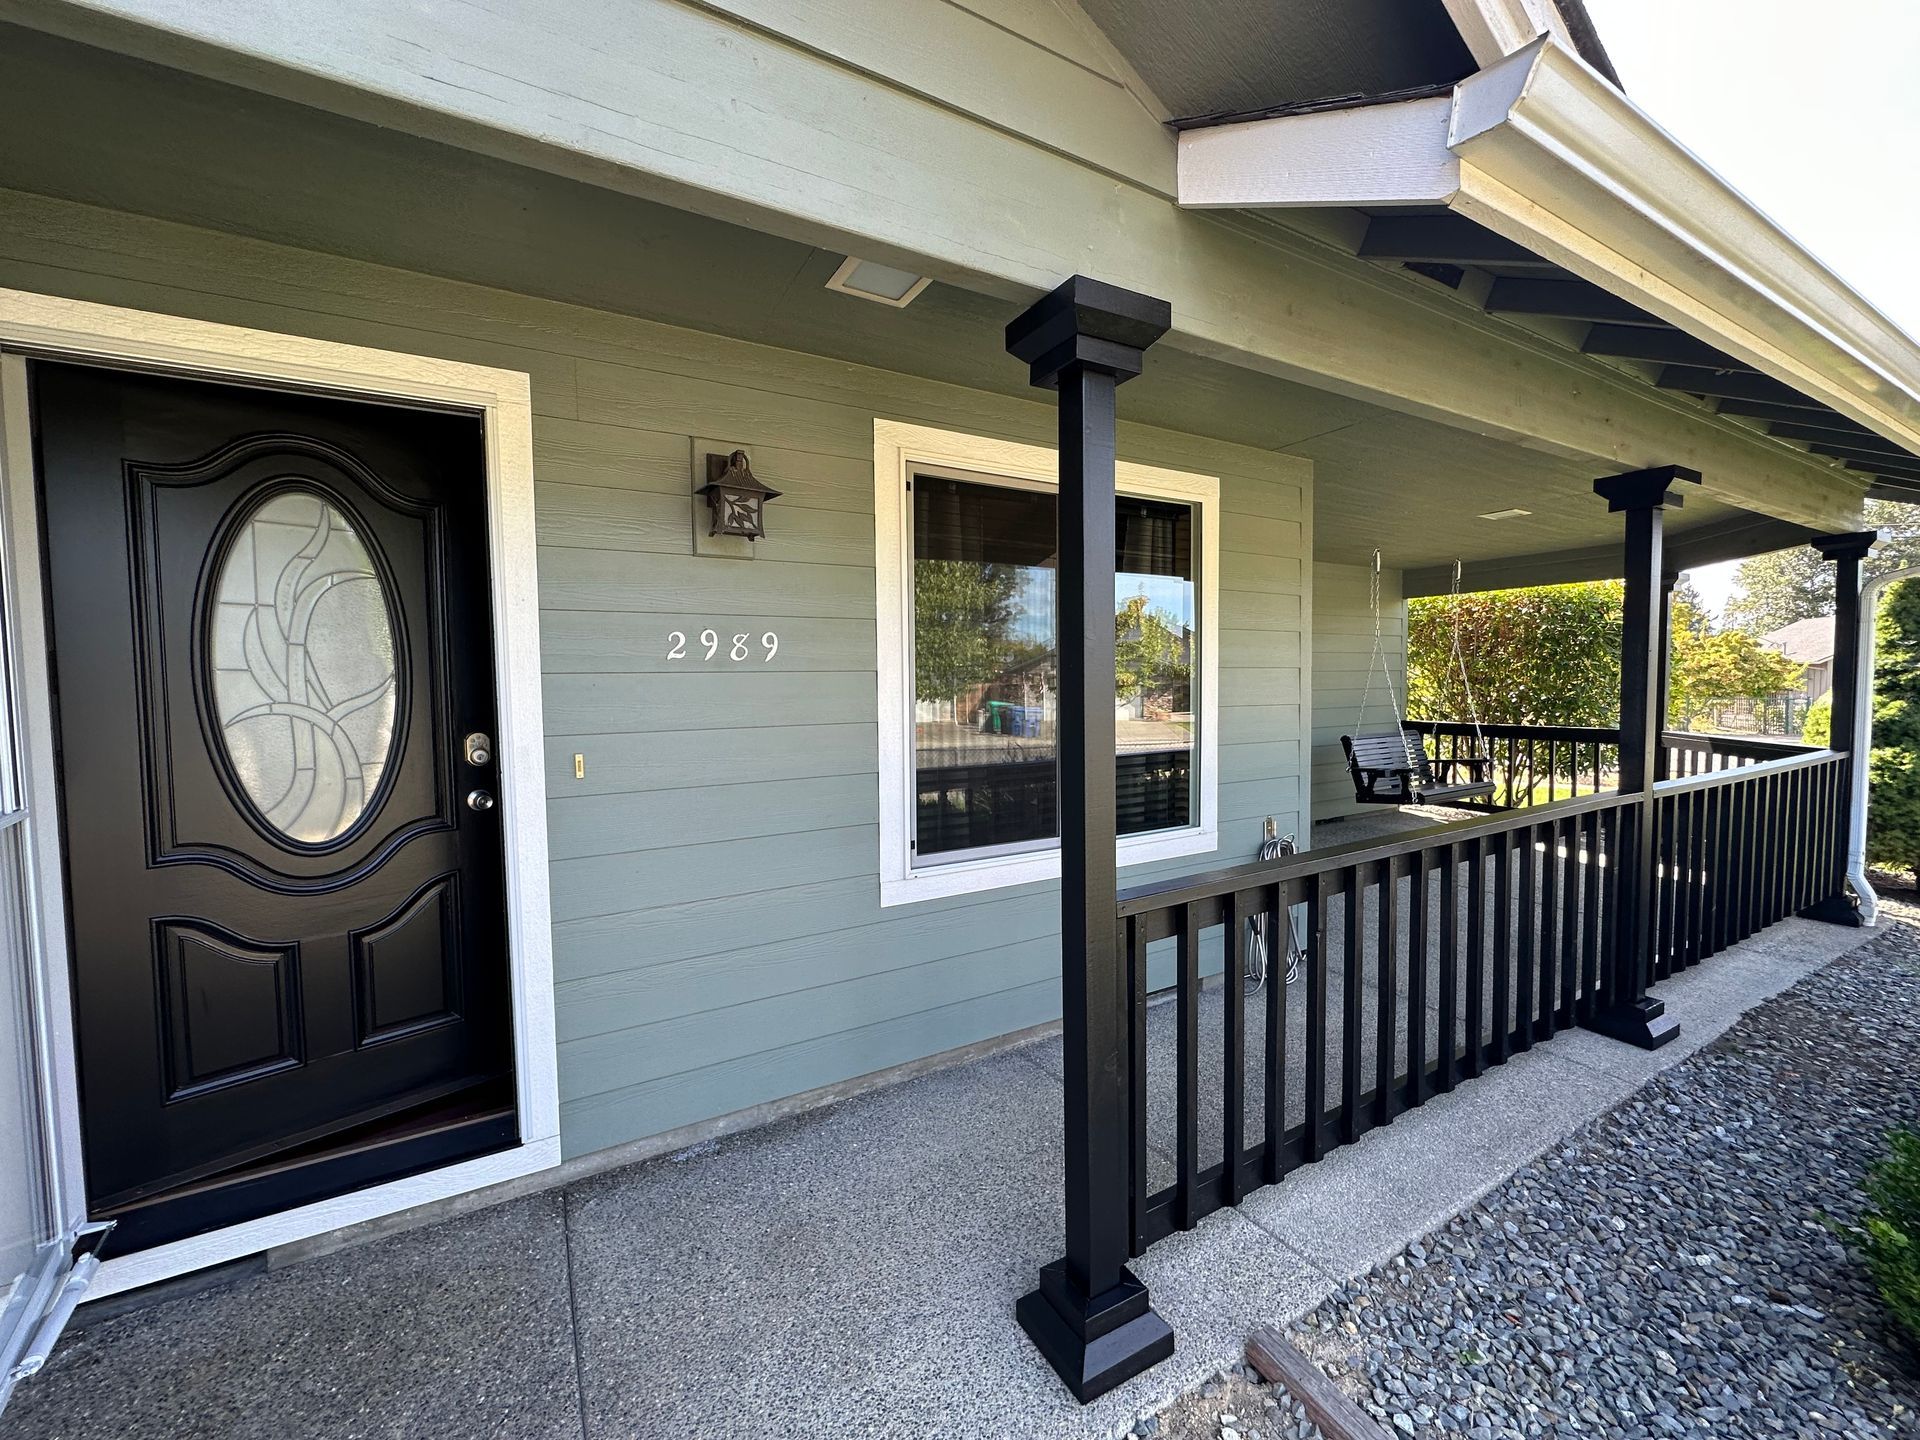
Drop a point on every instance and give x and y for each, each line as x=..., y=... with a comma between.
x=985, y=665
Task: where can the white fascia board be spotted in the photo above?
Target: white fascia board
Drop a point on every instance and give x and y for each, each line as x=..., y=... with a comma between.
x=1494, y=29
x=1541, y=149
x=1370, y=155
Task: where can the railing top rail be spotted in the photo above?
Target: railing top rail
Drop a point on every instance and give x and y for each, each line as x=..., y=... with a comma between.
x=1801, y=761
x=1256, y=873
x=1597, y=734
x=1734, y=744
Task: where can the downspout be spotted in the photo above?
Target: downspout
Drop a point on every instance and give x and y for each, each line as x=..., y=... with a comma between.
x=1862, y=739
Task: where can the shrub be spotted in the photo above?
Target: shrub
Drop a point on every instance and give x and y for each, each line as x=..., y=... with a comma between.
x=1893, y=818
x=1817, y=728
x=1888, y=1236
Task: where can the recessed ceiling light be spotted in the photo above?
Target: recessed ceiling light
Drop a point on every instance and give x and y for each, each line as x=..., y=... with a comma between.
x=871, y=280
x=1514, y=514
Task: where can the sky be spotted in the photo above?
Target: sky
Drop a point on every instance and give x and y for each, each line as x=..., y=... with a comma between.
x=1811, y=109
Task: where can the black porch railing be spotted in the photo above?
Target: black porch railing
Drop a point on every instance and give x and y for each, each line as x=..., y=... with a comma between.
x=1543, y=764
x=1429, y=958
x=1742, y=848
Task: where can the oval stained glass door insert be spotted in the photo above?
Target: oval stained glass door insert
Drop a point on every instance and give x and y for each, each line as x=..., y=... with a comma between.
x=302, y=661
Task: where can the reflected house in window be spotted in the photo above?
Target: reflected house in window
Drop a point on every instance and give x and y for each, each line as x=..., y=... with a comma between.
x=985, y=645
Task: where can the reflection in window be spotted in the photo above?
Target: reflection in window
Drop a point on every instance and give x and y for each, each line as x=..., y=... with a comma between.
x=985, y=651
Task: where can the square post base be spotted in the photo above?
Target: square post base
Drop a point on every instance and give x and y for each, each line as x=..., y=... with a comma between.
x=1097, y=1343
x=1642, y=1022
x=1839, y=909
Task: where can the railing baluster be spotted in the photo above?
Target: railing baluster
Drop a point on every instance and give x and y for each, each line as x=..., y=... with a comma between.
x=1417, y=978
x=1314, y=1089
x=1447, y=1022
x=1233, y=1144
x=1570, y=926
x=1279, y=921
x=1353, y=986
x=1614, y=824
x=1136, y=942
x=1549, y=932
x=1187, y=1065
x=1666, y=811
x=1476, y=956
x=1386, y=993
x=1684, y=807
x=1503, y=928
x=1590, y=916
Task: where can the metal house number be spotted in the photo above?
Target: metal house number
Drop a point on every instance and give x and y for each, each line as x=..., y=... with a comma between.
x=740, y=647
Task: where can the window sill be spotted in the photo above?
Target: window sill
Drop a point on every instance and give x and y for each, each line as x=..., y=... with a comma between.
x=967, y=877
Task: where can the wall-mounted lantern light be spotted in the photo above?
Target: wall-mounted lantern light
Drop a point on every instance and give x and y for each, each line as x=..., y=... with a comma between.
x=736, y=500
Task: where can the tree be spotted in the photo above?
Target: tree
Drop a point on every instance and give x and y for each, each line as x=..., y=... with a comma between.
x=1690, y=610
x=1706, y=667
x=1544, y=656
x=962, y=615
x=1779, y=588
x=1796, y=584
x=1152, y=658
x=1893, y=758
x=1893, y=769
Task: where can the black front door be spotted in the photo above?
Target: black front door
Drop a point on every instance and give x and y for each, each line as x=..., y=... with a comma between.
x=273, y=675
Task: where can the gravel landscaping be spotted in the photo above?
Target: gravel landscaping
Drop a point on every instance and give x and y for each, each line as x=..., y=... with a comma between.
x=1671, y=1269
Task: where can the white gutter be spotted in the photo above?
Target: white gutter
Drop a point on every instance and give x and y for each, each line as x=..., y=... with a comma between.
x=1542, y=150
x=1863, y=739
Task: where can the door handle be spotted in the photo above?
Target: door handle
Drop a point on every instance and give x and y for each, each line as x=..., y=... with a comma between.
x=479, y=800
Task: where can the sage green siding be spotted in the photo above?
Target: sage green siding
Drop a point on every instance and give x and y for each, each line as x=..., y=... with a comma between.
x=1342, y=657
x=717, y=931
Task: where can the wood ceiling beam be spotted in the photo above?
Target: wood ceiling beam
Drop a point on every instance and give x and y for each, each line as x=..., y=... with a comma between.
x=1644, y=342
x=1862, y=442
x=1445, y=240
x=1734, y=385
x=1906, y=492
x=1825, y=421
x=1564, y=300
x=1873, y=464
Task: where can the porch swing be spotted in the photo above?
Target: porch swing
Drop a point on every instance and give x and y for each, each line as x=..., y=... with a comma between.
x=1390, y=767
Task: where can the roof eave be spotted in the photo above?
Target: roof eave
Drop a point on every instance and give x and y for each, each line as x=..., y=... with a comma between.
x=1541, y=149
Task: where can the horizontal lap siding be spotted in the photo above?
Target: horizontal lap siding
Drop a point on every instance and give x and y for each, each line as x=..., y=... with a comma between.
x=1342, y=659
x=718, y=937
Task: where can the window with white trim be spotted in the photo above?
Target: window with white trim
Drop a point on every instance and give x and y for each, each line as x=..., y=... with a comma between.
x=969, y=663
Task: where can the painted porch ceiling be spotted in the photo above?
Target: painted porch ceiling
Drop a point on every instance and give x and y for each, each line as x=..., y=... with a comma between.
x=1227, y=56
x=84, y=125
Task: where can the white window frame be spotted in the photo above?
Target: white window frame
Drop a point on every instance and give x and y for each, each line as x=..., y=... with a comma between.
x=501, y=400
x=898, y=449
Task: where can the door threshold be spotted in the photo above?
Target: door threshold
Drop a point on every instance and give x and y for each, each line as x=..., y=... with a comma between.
x=433, y=1137
x=125, y=1272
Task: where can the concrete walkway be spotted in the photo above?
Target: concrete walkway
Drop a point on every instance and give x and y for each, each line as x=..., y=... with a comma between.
x=849, y=1272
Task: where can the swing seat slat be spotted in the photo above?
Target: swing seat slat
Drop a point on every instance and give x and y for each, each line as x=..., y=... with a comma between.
x=1392, y=768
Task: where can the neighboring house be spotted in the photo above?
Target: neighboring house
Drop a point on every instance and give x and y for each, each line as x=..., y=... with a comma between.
x=1810, y=643
x=406, y=791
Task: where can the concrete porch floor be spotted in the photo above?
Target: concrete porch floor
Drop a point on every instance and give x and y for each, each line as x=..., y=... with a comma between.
x=849, y=1272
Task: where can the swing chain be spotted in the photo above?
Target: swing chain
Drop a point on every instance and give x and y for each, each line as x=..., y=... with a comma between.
x=1378, y=660
x=1460, y=660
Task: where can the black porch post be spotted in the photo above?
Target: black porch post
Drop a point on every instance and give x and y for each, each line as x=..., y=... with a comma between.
x=1848, y=553
x=1630, y=1013
x=1090, y=1317
x=1668, y=579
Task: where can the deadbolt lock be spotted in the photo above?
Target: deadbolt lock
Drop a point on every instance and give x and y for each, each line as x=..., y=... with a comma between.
x=479, y=749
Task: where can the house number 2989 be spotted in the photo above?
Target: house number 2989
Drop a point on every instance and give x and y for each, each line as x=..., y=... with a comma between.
x=739, y=647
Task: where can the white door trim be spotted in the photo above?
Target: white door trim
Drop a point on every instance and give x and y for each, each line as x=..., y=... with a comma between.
x=71, y=329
